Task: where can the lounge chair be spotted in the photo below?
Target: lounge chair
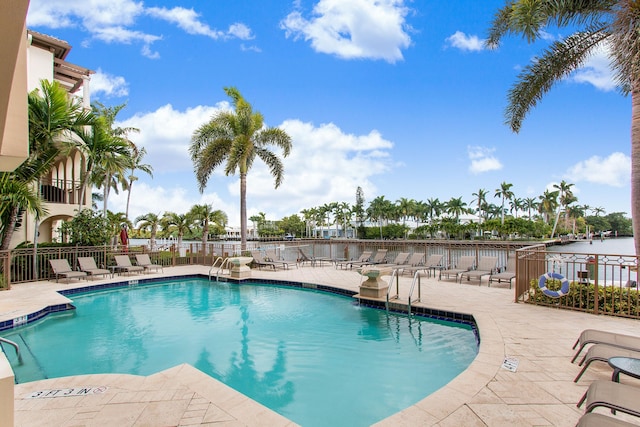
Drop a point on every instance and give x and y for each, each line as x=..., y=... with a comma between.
x=364, y=257
x=602, y=353
x=271, y=256
x=507, y=275
x=123, y=263
x=612, y=395
x=591, y=419
x=486, y=266
x=465, y=263
x=88, y=265
x=378, y=258
x=434, y=262
x=400, y=260
x=261, y=261
x=313, y=260
x=61, y=268
x=595, y=336
x=415, y=262
x=144, y=261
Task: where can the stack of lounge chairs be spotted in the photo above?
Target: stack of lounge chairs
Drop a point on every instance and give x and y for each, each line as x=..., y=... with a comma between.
x=608, y=394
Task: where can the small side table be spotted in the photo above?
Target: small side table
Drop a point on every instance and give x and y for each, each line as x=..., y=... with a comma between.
x=626, y=365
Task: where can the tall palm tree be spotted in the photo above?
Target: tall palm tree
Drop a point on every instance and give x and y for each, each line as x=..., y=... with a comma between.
x=378, y=210
x=600, y=23
x=136, y=164
x=530, y=204
x=480, y=199
x=505, y=193
x=598, y=210
x=566, y=197
x=548, y=204
x=456, y=207
x=237, y=137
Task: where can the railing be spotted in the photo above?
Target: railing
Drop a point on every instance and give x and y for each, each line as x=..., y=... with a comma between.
x=598, y=284
x=61, y=191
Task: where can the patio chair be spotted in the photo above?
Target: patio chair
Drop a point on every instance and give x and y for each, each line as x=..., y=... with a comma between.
x=612, y=395
x=591, y=419
x=465, y=263
x=272, y=257
x=602, y=353
x=486, y=266
x=400, y=261
x=313, y=260
x=379, y=258
x=61, y=268
x=144, y=261
x=507, y=275
x=261, y=261
x=88, y=265
x=123, y=263
x=434, y=262
x=366, y=255
x=596, y=336
x=415, y=262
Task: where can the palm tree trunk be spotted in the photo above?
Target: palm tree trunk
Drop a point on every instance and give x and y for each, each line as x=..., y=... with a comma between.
x=126, y=212
x=9, y=227
x=243, y=211
x=635, y=164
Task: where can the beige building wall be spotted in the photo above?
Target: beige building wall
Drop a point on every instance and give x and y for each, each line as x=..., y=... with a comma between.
x=14, y=131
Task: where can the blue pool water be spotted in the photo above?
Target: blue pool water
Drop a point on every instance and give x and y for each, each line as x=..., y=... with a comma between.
x=319, y=359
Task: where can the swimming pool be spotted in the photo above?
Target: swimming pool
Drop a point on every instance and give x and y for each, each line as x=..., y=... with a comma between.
x=318, y=359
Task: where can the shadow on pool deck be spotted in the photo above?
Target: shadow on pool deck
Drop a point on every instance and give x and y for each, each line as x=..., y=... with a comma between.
x=541, y=391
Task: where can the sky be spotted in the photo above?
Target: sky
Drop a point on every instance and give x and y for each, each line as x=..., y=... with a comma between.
x=398, y=97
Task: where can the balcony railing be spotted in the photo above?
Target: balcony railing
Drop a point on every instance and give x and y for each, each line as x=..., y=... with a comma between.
x=61, y=191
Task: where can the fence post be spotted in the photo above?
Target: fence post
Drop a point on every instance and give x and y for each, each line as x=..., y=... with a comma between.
x=596, y=293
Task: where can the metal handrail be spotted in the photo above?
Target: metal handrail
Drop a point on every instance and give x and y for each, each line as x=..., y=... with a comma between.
x=223, y=262
x=397, y=295
x=15, y=345
x=416, y=275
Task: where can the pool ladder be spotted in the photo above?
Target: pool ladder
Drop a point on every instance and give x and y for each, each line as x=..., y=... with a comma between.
x=14, y=345
x=416, y=279
x=222, y=264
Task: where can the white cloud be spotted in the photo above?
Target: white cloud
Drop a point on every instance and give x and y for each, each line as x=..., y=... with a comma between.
x=108, y=84
x=113, y=21
x=325, y=165
x=482, y=160
x=614, y=170
x=597, y=71
x=354, y=29
x=462, y=41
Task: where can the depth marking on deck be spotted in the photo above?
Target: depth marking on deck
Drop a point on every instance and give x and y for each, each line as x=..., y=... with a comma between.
x=66, y=392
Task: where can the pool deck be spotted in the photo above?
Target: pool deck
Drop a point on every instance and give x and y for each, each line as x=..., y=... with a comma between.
x=540, y=393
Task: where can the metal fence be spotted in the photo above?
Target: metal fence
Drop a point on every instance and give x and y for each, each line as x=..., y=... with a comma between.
x=599, y=284
x=594, y=283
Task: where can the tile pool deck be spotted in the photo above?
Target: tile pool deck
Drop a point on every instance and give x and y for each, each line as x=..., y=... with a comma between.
x=540, y=393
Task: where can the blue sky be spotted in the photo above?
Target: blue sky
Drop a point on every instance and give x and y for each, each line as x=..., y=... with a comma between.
x=397, y=97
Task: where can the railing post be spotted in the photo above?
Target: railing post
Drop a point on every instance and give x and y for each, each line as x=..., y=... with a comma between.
x=596, y=292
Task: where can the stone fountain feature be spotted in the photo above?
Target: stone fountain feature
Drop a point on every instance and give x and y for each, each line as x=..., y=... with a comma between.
x=239, y=266
x=374, y=286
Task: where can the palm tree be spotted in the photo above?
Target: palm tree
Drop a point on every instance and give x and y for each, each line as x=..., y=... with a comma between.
x=180, y=223
x=149, y=222
x=202, y=214
x=136, y=165
x=505, y=193
x=54, y=120
x=378, y=210
x=237, y=137
x=566, y=197
x=456, y=207
x=530, y=204
x=548, y=204
x=600, y=24
x=599, y=210
x=480, y=199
